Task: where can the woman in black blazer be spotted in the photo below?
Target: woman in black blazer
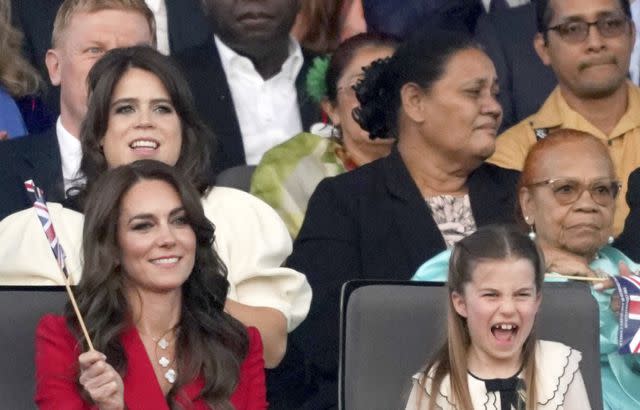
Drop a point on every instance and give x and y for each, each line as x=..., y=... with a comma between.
x=437, y=96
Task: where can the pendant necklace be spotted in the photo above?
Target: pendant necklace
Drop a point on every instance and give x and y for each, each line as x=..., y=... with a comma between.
x=163, y=344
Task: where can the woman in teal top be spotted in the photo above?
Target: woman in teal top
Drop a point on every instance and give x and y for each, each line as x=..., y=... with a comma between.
x=567, y=198
x=289, y=173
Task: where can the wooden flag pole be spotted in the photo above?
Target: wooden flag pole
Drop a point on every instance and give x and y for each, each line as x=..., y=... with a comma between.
x=42, y=212
x=77, y=310
x=573, y=277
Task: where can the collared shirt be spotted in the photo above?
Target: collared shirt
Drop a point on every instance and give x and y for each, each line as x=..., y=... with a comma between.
x=159, y=10
x=623, y=142
x=70, y=155
x=510, y=3
x=267, y=110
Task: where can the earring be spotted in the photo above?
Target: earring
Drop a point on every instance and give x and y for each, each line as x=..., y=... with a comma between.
x=610, y=240
x=532, y=232
x=335, y=132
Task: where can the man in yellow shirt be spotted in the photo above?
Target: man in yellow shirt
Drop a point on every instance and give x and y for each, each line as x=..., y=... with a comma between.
x=588, y=45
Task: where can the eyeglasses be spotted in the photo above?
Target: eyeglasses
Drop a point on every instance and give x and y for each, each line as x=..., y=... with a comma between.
x=567, y=190
x=577, y=31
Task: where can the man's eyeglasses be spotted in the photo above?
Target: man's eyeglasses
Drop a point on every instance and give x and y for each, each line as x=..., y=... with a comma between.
x=567, y=190
x=577, y=31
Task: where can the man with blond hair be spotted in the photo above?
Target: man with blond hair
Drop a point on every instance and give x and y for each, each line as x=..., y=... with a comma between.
x=180, y=24
x=83, y=31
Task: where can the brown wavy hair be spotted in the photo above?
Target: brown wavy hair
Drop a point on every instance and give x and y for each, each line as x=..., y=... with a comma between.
x=210, y=342
x=491, y=242
x=194, y=161
x=17, y=76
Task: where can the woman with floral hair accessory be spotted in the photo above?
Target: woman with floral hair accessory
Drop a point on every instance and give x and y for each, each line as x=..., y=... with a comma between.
x=288, y=173
x=382, y=220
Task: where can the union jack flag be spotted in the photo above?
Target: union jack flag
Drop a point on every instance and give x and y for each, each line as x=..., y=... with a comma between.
x=629, y=331
x=40, y=206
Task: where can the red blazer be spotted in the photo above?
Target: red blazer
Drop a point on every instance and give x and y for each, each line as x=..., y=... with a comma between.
x=57, y=373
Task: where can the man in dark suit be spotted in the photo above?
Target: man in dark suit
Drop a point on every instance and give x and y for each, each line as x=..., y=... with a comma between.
x=628, y=241
x=525, y=82
x=83, y=32
x=248, y=79
x=403, y=17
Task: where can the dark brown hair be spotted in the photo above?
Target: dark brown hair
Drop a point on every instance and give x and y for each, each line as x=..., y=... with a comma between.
x=197, y=139
x=322, y=24
x=210, y=342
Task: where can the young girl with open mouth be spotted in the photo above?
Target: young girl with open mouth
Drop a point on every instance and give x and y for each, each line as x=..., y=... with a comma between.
x=491, y=359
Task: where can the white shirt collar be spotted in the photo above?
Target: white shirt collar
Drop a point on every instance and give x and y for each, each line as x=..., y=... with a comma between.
x=155, y=5
x=159, y=9
x=634, y=67
x=510, y=3
x=70, y=155
x=232, y=61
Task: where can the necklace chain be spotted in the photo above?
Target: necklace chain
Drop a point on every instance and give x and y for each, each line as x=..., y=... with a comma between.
x=170, y=374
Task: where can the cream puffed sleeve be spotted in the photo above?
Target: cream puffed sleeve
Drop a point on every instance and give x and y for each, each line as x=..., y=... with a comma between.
x=253, y=242
x=25, y=255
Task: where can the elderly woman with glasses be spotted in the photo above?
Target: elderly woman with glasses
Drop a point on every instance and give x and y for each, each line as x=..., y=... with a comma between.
x=567, y=194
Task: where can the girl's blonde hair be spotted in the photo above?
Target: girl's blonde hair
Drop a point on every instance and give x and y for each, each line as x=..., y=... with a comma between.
x=17, y=76
x=493, y=242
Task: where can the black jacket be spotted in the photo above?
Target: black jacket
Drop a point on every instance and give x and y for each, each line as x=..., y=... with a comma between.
x=629, y=240
x=525, y=82
x=370, y=223
x=34, y=157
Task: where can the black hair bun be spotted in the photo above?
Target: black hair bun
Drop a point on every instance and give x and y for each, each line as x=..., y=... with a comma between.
x=376, y=94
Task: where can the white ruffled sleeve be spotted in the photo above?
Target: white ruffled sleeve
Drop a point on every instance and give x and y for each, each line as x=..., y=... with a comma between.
x=253, y=242
x=25, y=255
x=560, y=385
x=576, y=397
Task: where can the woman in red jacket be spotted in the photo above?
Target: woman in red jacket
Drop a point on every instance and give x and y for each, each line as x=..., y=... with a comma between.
x=152, y=295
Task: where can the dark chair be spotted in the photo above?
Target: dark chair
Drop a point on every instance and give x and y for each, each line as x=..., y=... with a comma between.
x=236, y=177
x=21, y=308
x=389, y=329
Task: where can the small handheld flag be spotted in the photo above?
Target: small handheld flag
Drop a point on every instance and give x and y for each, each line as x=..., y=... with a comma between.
x=629, y=330
x=40, y=206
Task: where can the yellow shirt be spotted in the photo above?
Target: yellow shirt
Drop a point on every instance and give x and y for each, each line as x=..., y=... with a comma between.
x=623, y=142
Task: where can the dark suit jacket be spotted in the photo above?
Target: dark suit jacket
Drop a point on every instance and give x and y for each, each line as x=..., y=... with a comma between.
x=203, y=68
x=525, y=83
x=629, y=240
x=34, y=157
x=401, y=18
x=187, y=26
x=370, y=223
